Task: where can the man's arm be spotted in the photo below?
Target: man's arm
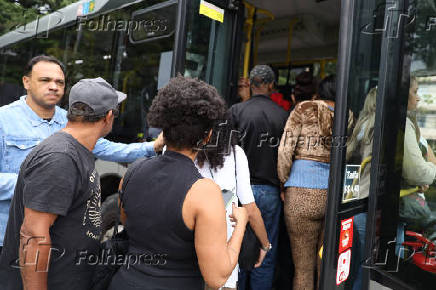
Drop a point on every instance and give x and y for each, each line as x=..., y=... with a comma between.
x=35, y=246
x=7, y=185
x=119, y=152
x=7, y=180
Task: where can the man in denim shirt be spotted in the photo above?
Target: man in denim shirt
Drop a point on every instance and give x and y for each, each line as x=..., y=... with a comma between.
x=29, y=120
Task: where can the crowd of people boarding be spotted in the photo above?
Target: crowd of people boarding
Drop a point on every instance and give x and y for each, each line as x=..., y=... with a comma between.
x=214, y=174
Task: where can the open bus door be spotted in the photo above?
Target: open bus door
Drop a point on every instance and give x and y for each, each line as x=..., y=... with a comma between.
x=380, y=225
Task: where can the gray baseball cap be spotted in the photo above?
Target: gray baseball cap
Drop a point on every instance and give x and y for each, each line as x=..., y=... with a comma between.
x=262, y=73
x=97, y=94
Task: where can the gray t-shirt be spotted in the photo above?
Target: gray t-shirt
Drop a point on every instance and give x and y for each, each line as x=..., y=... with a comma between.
x=57, y=177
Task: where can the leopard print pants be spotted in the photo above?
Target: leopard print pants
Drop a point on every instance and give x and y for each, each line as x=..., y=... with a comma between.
x=304, y=215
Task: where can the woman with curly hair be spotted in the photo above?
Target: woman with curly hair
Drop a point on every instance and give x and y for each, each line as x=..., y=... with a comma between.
x=226, y=163
x=175, y=218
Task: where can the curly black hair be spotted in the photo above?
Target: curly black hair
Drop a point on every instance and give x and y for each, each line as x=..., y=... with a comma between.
x=221, y=143
x=186, y=110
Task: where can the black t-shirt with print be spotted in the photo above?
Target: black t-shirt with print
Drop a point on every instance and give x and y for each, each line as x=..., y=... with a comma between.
x=57, y=177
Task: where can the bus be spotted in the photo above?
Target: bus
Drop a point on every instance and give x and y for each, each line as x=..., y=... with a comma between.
x=139, y=45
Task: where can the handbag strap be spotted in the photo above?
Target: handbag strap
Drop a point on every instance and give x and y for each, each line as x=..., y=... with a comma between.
x=236, y=176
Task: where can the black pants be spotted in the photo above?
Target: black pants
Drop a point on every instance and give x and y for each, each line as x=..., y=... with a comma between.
x=285, y=267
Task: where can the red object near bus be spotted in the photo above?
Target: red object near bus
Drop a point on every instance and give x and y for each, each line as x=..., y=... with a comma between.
x=424, y=255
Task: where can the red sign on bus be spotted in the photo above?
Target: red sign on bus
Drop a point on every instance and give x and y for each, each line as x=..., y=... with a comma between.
x=346, y=237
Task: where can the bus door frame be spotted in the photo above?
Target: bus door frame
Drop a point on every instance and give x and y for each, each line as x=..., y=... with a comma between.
x=235, y=10
x=180, y=40
x=379, y=172
x=330, y=256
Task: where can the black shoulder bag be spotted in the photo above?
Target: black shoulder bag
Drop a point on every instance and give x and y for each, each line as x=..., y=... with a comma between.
x=250, y=247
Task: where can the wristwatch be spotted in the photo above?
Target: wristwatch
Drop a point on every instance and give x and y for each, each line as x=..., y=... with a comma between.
x=267, y=248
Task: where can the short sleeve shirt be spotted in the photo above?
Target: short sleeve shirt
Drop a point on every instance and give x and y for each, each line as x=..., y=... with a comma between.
x=225, y=176
x=57, y=177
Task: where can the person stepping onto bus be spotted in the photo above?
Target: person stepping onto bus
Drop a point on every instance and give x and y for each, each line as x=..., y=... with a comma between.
x=56, y=209
x=171, y=213
x=303, y=169
x=260, y=122
x=29, y=120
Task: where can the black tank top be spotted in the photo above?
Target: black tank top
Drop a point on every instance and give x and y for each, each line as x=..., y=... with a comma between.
x=158, y=238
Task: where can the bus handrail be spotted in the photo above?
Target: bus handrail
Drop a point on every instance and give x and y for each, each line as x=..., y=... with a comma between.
x=252, y=11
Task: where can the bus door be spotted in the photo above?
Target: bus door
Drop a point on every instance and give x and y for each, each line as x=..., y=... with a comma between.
x=211, y=44
x=380, y=219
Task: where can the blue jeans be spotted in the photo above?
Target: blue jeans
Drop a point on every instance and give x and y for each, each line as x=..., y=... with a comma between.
x=360, y=225
x=267, y=199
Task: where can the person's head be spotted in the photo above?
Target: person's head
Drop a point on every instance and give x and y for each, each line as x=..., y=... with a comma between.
x=413, y=94
x=364, y=122
x=44, y=80
x=305, y=87
x=370, y=103
x=327, y=88
x=94, y=101
x=244, y=89
x=221, y=142
x=186, y=109
x=262, y=79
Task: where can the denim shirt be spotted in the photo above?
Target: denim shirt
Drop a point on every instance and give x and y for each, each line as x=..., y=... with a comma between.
x=21, y=129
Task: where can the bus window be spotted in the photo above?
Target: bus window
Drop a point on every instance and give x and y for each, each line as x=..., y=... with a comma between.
x=389, y=154
x=207, y=47
x=87, y=54
x=413, y=220
x=12, y=62
x=140, y=69
x=153, y=23
x=360, y=110
x=362, y=103
x=116, y=46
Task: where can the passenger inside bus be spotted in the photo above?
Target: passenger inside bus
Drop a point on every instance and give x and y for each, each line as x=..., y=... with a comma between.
x=359, y=151
x=419, y=171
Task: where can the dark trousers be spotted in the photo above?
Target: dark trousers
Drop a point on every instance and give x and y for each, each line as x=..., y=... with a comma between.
x=285, y=266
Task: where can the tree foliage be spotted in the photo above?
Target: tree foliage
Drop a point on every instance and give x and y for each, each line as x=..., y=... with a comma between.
x=18, y=12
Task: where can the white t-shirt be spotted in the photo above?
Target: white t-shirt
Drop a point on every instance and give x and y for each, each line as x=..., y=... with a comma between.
x=225, y=178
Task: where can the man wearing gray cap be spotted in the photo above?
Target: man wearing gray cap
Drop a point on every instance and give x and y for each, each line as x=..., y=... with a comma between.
x=35, y=116
x=261, y=121
x=55, y=212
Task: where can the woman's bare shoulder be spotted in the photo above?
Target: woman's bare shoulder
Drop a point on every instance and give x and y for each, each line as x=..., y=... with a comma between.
x=204, y=189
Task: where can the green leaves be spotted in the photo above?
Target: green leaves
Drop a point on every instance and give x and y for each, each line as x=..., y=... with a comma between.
x=20, y=12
